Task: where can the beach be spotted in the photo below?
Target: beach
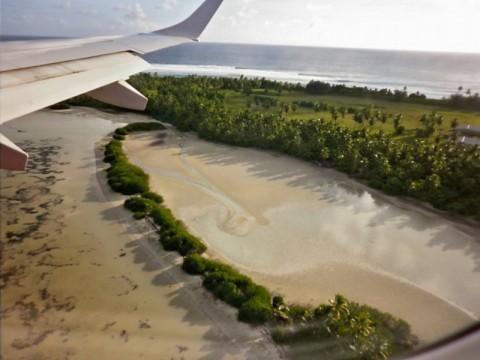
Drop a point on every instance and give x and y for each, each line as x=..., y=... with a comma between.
x=80, y=279
x=308, y=233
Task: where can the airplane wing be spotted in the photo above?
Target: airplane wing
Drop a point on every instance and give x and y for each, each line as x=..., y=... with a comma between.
x=37, y=74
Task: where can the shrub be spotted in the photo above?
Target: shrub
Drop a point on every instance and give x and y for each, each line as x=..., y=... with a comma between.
x=228, y=292
x=169, y=243
x=109, y=158
x=195, y=264
x=297, y=312
x=255, y=311
x=113, y=152
x=163, y=217
x=139, y=215
x=392, y=185
x=127, y=179
x=121, y=131
x=189, y=244
x=119, y=137
x=182, y=241
x=227, y=284
x=399, y=130
x=153, y=196
x=198, y=265
x=173, y=235
x=140, y=204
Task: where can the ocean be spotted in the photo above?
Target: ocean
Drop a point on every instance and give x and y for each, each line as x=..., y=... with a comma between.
x=436, y=75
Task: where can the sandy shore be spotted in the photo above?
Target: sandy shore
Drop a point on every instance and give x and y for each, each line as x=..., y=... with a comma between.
x=309, y=233
x=79, y=278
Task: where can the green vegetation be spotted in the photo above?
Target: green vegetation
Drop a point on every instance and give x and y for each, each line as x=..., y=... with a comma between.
x=303, y=106
x=458, y=100
x=140, y=206
x=395, y=141
x=400, y=153
x=158, y=199
x=128, y=179
x=124, y=177
x=237, y=290
x=347, y=328
x=359, y=331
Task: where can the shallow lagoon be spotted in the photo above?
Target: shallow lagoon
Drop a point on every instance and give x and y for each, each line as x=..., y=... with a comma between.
x=308, y=232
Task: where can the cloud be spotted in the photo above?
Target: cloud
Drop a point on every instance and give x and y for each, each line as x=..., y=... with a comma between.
x=133, y=20
x=168, y=4
x=89, y=12
x=137, y=12
x=230, y=20
x=62, y=5
x=122, y=7
x=318, y=7
x=134, y=12
x=27, y=18
x=247, y=12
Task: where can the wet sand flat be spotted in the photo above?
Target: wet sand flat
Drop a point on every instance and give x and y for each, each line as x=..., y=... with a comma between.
x=308, y=233
x=79, y=278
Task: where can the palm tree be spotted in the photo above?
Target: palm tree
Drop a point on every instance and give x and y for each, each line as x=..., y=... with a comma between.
x=362, y=325
x=339, y=309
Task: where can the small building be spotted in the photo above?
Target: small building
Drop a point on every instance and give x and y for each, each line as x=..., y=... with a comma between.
x=468, y=134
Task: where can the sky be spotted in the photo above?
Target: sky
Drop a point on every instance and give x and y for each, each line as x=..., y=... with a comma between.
x=431, y=25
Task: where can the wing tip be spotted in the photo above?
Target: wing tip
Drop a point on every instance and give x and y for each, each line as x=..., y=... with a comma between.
x=195, y=24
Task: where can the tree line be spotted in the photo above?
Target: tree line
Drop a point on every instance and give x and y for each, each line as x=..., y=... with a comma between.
x=457, y=100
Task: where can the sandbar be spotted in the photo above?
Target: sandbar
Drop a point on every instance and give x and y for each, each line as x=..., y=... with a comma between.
x=308, y=233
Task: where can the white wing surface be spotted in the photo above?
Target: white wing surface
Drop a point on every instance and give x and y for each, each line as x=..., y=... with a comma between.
x=36, y=74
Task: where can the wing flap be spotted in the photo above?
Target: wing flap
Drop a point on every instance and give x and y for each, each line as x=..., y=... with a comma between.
x=120, y=94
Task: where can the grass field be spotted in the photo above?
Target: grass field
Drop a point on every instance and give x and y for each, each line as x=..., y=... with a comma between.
x=411, y=112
